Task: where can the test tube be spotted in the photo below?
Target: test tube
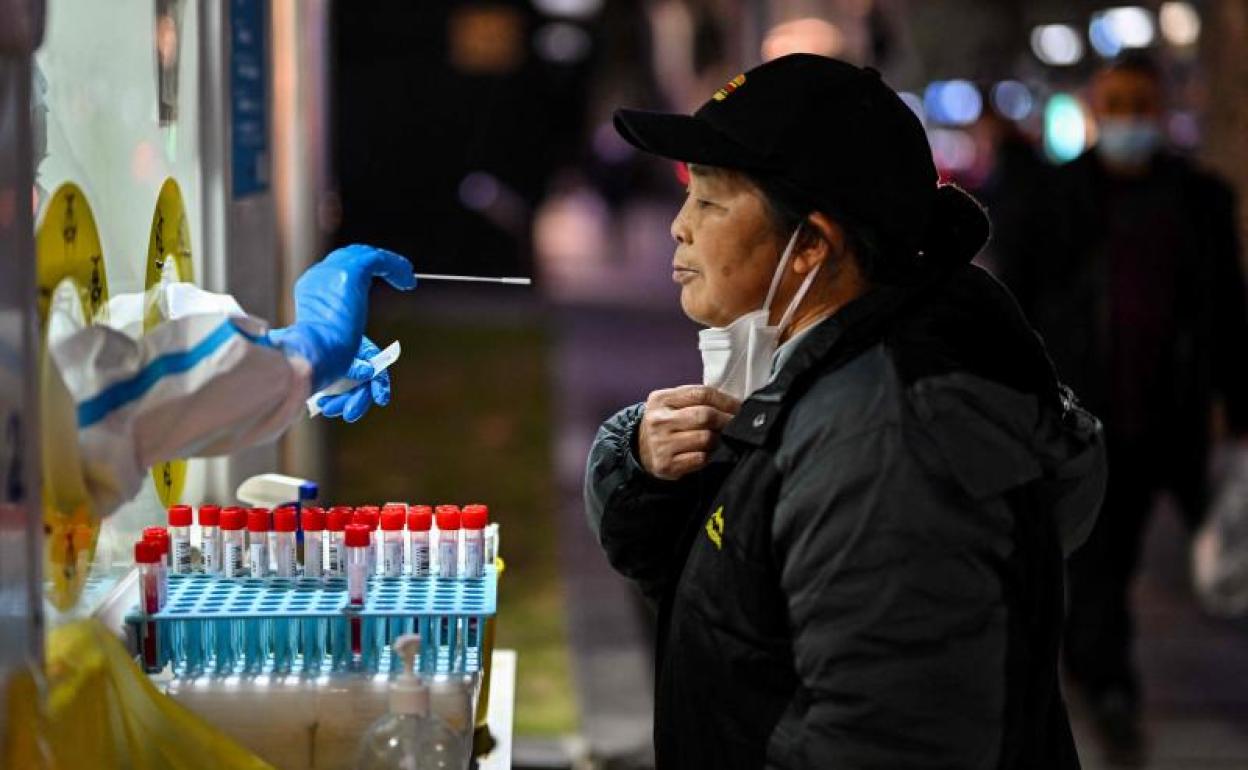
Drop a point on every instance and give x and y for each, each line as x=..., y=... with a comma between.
x=419, y=522
x=147, y=559
x=180, y=539
x=233, y=548
x=337, y=520
x=313, y=537
x=448, y=541
x=474, y=520
x=370, y=516
x=357, y=538
x=392, y=520
x=285, y=521
x=258, y=541
x=210, y=539
x=160, y=537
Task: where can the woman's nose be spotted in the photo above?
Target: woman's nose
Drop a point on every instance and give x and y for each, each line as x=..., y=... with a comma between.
x=680, y=228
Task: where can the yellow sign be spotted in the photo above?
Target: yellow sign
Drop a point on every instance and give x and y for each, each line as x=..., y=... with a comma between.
x=168, y=258
x=67, y=253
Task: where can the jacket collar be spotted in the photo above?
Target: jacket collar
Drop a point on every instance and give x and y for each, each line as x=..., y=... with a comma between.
x=830, y=345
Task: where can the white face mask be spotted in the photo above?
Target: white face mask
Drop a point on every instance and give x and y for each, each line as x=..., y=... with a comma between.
x=737, y=358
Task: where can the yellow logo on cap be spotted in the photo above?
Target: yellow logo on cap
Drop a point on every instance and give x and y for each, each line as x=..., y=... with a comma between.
x=729, y=87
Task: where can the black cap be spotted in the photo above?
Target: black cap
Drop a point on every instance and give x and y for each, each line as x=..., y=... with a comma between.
x=835, y=138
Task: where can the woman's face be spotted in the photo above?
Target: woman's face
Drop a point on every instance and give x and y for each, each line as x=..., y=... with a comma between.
x=726, y=247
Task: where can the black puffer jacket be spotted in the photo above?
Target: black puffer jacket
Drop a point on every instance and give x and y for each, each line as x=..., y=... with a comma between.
x=869, y=572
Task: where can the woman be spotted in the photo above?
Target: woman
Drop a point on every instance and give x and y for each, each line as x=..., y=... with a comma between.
x=854, y=528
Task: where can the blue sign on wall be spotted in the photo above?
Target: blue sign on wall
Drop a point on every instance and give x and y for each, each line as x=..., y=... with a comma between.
x=249, y=99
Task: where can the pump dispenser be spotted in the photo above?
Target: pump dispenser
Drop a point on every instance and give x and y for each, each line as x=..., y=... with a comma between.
x=408, y=694
x=409, y=737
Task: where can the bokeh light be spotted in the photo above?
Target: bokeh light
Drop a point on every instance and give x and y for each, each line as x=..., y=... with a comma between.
x=570, y=9
x=1058, y=45
x=562, y=43
x=1013, y=99
x=1180, y=23
x=953, y=150
x=807, y=35
x=1065, y=128
x=953, y=102
x=1114, y=29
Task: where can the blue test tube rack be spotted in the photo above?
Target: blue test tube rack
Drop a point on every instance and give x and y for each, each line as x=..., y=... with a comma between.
x=215, y=626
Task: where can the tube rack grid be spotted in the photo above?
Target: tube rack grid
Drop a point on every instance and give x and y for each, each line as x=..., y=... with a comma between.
x=214, y=626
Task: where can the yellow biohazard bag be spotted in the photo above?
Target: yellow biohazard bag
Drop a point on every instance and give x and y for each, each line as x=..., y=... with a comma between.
x=99, y=710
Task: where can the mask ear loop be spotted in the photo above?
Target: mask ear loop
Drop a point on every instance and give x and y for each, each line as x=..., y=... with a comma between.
x=797, y=299
x=784, y=261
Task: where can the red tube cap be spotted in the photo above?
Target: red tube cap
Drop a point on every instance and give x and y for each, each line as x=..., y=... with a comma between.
x=257, y=519
x=180, y=515
x=209, y=515
x=448, y=519
x=338, y=518
x=475, y=517
x=420, y=518
x=358, y=535
x=146, y=552
x=368, y=515
x=392, y=520
x=313, y=519
x=159, y=536
x=233, y=518
x=285, y=519
x=447, y=509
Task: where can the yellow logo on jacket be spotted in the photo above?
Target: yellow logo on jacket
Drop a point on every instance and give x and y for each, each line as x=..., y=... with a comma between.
x=715, y=527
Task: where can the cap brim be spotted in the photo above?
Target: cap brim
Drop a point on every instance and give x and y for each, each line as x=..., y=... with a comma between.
x=685, y=138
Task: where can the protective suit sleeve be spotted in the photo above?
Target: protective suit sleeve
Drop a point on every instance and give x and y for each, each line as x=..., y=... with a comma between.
x=204, y=384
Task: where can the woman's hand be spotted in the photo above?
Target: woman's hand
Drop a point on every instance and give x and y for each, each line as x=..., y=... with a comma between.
x=680, y=428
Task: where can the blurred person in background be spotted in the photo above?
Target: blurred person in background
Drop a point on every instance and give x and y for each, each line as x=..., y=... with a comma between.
x=1141, y=301
x=1016, y=177
x=854, y=528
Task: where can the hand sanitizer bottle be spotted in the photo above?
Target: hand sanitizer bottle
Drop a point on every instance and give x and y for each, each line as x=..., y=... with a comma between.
x=409, y=737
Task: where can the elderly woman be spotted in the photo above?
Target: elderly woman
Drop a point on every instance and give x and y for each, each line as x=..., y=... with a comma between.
x=854, y=529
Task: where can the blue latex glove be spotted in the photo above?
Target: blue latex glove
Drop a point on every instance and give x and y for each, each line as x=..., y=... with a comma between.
x=331, y=306
x=353, y=404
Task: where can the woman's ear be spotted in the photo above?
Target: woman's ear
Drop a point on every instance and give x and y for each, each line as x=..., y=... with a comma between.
x=821, y=240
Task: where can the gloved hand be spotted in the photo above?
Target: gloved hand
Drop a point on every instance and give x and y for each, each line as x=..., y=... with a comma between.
x=331, y=306
x=353, y=404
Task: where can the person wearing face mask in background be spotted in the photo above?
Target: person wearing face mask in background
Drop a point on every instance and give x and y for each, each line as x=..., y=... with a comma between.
x=1138, y=292
x=1141, y=300
x=853, y=529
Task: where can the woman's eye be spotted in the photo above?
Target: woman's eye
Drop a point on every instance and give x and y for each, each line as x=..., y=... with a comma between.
x=703, y=204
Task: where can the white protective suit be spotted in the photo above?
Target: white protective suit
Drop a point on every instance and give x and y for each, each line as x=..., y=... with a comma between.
x=205, y=381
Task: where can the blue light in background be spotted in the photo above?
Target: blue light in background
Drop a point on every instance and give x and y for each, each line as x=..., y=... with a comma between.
x=1013, y=99
x=1103, y=38
x=1114, y=29
x=953, y=102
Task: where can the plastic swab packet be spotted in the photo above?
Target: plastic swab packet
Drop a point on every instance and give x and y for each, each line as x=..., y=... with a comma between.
x=380, y=362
